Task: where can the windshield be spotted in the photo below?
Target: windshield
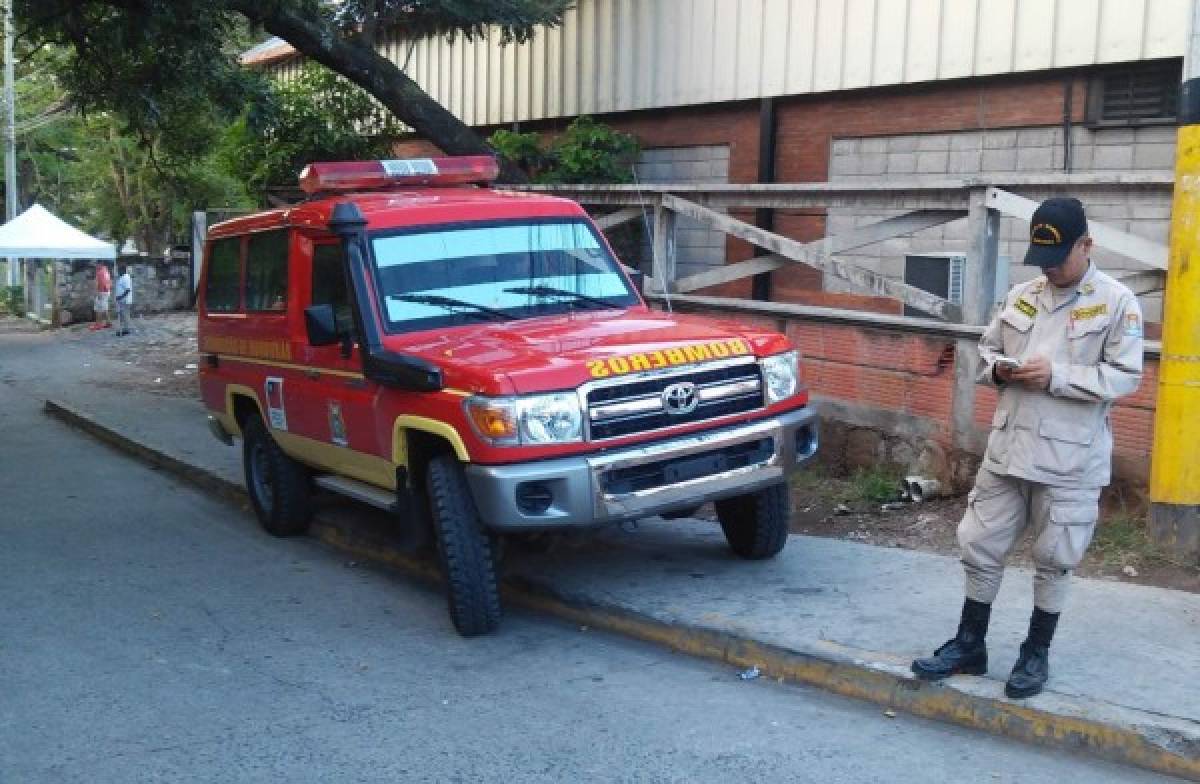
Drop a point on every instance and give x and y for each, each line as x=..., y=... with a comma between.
x=463, y=274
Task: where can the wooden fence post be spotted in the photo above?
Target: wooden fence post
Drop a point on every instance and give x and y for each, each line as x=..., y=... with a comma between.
x=979, y=296
x=663, y=265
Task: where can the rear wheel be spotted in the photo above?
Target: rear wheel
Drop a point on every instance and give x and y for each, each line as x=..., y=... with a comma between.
x=756, y=524
x=468, y=551
x=278, y=486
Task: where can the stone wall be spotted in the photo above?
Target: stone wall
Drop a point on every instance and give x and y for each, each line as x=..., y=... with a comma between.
x=995, y=154
x=159, y=285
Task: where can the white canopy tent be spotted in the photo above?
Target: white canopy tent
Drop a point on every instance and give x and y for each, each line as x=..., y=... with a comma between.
x=39, y=234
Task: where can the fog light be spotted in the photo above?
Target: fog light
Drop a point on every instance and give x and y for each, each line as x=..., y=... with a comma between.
x=806, y=442
x=534, y=498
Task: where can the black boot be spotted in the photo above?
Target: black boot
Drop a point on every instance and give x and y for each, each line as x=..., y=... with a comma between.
x=966, y=653
x=1032, y=670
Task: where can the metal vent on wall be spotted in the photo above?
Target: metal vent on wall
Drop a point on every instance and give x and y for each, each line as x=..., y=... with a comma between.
x=1145, y=93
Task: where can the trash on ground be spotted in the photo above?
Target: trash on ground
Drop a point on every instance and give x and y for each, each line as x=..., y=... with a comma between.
x=841, y=509
x=891, y=714
x=892, y=506
x=750, y=674
x=1130, y=571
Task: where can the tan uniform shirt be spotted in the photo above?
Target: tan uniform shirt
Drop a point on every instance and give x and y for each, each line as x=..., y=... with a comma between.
x=1093, y=338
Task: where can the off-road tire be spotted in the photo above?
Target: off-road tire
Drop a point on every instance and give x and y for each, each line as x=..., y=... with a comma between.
x=283, y=502
x=467, y=550
x=756, y=524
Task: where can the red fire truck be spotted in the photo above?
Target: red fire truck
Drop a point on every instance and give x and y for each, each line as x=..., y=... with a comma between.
x=478, y=362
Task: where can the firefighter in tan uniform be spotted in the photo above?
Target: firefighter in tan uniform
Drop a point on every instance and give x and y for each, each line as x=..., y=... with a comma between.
x=1061, y=350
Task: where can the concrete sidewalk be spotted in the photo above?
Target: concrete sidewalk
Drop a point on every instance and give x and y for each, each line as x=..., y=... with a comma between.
x=846, y=616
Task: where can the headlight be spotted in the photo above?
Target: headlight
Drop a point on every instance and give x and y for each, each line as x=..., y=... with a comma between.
x=535, y=419
x=782, y=374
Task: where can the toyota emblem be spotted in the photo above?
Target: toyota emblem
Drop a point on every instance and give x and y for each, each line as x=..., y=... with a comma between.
x=681, y=398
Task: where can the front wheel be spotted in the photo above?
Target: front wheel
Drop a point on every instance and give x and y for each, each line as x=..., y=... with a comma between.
x=278, y=486
x=756, y=524
x=467, y=550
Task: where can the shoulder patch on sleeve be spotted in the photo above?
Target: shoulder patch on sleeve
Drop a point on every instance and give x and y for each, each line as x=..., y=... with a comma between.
x=1025, y=307
x=1133, y=325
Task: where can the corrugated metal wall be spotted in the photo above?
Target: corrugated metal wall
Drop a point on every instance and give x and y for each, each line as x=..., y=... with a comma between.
x=615, y=55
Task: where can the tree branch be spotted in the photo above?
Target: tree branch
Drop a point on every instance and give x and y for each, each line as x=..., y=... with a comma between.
x=377, y=75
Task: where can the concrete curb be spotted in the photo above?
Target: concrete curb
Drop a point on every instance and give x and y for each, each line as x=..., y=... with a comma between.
x=1160, y=743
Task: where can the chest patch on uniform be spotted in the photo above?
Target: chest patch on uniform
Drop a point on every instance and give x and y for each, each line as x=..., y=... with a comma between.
x=1083, y=314
x=1026, y=307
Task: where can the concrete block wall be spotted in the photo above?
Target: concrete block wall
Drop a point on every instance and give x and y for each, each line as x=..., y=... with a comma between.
x=697, y=247
x=996, y=153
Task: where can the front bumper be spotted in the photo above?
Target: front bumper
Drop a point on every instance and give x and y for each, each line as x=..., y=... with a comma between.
x=640, y=481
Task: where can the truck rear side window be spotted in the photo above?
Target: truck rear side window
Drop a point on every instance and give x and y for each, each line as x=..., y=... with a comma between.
x=222, y=293
x=267, y=271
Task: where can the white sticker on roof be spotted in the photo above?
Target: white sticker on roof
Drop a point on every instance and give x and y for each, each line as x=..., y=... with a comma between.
x=410, y=166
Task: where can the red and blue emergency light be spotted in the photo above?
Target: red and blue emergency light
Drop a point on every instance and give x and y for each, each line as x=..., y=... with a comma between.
x=372, y=175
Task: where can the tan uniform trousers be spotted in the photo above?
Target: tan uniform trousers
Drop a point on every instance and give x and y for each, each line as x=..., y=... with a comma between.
x=1000, y=509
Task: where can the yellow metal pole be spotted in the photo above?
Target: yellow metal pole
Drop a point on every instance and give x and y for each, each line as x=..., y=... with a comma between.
x=1175, y=466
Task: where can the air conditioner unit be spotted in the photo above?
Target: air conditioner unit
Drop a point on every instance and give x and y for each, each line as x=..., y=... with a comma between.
x=942, y=274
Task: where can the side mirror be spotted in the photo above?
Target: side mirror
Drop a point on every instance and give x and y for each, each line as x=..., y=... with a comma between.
x=320, y=322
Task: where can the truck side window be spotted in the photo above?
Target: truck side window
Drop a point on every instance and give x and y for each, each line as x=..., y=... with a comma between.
x=267, y=271
x=329, y=283
x=222, y=293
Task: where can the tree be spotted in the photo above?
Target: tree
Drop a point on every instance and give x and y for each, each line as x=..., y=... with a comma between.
x=152, y=59
x=96, y=174
x=314, y=116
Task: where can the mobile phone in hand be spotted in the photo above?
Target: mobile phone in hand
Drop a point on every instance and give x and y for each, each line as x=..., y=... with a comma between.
x=1009, y=363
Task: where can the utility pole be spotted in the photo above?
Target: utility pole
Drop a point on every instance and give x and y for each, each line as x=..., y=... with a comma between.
x=10, y=133
x=1175, y=472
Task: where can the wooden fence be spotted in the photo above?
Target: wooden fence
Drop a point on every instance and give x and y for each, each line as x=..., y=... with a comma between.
x=921, y=205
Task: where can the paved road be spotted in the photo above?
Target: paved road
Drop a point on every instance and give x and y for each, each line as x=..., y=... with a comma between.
x=148, y=633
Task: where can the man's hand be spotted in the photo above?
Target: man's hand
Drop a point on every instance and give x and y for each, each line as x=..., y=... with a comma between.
x=1002, y=373
x=1034, y=372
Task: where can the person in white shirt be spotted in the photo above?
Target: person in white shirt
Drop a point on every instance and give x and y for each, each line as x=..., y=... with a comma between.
x=124, y=297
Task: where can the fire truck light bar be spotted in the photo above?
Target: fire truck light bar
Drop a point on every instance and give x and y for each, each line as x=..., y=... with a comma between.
x=373, y=175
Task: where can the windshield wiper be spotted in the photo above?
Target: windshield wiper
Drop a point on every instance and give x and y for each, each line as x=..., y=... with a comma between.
x=452, y=302
x=551, y=291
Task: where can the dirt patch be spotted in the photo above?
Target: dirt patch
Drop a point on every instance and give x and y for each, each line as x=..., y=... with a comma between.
x=160, y=354
x=866, y=508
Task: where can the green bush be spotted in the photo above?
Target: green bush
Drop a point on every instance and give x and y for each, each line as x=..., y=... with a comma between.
x=587, y=152
x=875, y=485
x=12, y=298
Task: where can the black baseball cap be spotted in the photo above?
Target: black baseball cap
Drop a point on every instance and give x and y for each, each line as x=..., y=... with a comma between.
x=1053, y=230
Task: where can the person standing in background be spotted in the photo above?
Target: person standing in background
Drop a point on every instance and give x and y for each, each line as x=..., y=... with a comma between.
x=103, y=291
x=124, y=296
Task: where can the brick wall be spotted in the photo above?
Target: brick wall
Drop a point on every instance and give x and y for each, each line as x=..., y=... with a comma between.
x=900, y=387
x=903, y=386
